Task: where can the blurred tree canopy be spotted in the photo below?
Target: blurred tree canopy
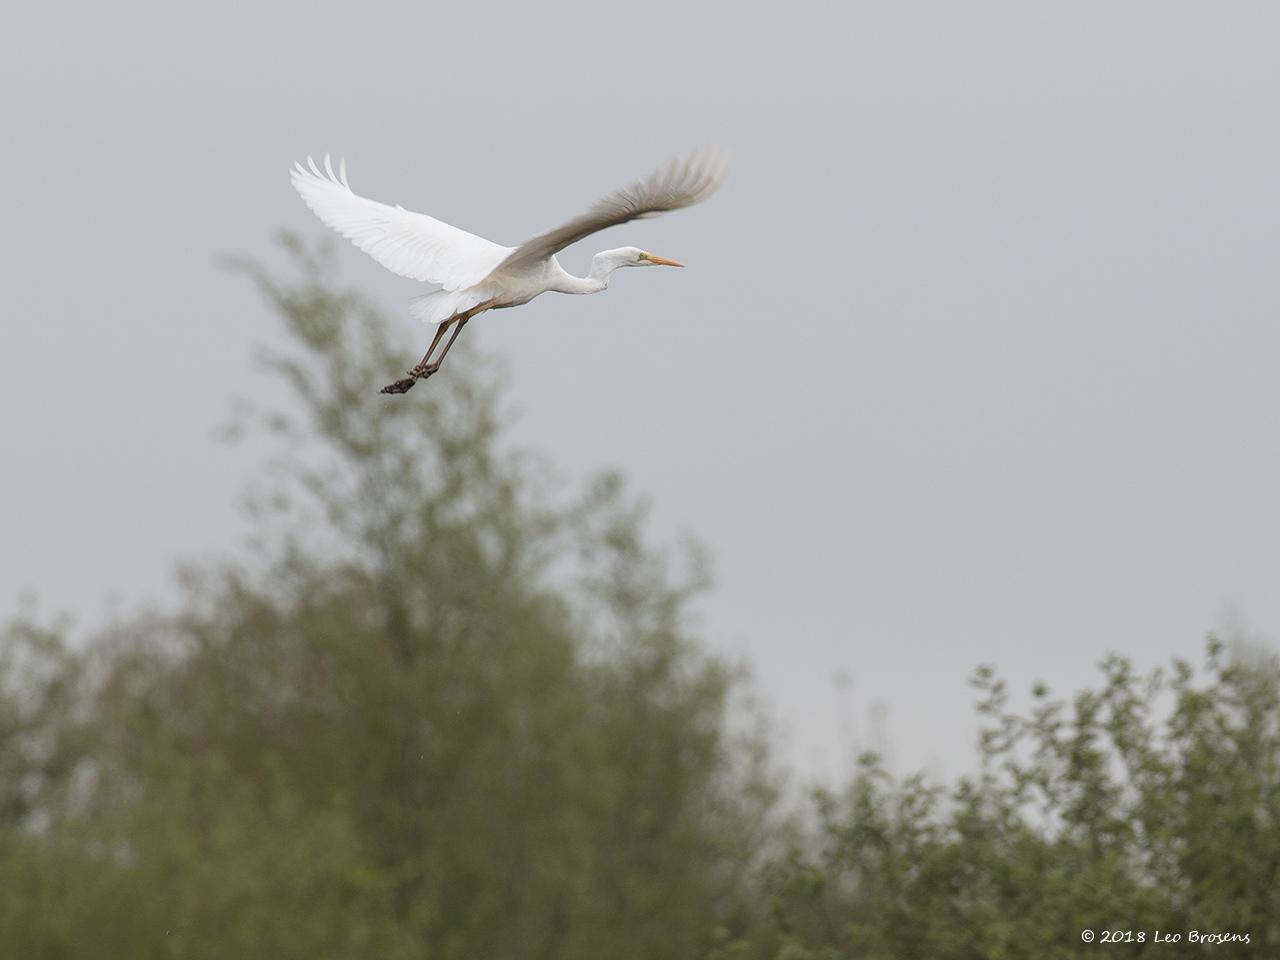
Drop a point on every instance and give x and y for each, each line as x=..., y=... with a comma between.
x=1149, y=805
x=442, y=711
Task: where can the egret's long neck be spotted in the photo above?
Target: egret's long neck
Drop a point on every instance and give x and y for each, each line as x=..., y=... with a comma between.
x=602, y=264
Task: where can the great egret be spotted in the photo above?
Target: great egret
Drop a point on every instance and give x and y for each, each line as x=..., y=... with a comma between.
x=473, y=274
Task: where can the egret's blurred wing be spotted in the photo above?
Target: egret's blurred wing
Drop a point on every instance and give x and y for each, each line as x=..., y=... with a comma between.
x=682, y=182
x=411, y=244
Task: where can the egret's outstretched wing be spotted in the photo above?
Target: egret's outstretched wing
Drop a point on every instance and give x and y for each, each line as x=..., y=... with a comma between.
x=682, y=182
x=410, y=244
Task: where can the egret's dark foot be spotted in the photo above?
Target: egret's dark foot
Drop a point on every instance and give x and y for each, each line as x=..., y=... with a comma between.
x=400, y=386
x=420, y=372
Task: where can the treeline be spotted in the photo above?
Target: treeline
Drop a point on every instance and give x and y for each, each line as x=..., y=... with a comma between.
x=442, y=710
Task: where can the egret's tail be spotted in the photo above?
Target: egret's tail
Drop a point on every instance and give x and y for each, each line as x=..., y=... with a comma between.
x=437, y=307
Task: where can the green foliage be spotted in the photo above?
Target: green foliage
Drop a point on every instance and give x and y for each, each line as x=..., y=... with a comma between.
x=1150, y=804
x=437, y=713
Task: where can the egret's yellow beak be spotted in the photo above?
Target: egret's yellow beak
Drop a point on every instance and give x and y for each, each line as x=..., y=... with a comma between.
x=662, y=261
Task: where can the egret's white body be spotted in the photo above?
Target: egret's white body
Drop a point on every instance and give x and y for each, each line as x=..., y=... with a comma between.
x=473, y=274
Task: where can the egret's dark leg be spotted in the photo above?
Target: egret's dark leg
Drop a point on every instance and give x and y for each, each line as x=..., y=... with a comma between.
x=428, y=366
x=420, y=371
x=462, y=322
x=425, y=365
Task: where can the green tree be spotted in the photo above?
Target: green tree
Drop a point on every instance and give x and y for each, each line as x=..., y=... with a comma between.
x=1149, y=804
x=439, y=712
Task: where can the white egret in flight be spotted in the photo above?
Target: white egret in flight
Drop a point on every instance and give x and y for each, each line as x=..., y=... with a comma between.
x=473, y=274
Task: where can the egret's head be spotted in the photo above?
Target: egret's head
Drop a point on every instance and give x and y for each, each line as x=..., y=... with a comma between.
x=635, y=257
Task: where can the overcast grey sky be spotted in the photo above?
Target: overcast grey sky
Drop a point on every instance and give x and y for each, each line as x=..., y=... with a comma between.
x=975, y=358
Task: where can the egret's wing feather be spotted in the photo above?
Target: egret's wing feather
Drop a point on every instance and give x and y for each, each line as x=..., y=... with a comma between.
x=411, y=244
x=683, y=181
